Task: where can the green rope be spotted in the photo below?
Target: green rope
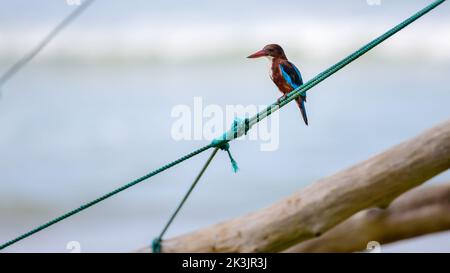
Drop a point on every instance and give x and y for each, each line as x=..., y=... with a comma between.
x=240, y=127
x=219, y=143
x=47, y=39
x=114, y=192
x=156, y=244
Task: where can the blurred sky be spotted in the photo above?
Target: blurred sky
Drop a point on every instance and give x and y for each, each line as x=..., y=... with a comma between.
x=211, y=30
x=92, y=111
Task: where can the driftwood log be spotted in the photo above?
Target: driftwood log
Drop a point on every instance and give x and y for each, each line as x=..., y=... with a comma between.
x=319, y=207
x=420, y=211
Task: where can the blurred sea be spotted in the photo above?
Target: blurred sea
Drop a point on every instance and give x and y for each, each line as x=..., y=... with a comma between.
x=93, y=110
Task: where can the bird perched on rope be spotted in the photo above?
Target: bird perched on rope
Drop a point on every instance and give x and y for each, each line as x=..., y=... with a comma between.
x=283, y=73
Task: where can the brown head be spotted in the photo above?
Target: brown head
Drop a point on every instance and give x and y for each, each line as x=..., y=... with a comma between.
x=272, y=50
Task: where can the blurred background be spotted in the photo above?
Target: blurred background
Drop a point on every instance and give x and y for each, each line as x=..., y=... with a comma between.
x=93, y=110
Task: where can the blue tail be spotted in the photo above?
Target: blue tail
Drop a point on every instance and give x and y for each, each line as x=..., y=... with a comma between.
x=301, y=104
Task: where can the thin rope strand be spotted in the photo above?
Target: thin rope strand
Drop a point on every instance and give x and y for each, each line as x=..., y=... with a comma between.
x=186, y=196
x=47, y=39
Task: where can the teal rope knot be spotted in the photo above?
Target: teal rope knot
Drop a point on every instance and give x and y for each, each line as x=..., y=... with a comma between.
x=156, y=245
x=240, y=127
x=226, y=147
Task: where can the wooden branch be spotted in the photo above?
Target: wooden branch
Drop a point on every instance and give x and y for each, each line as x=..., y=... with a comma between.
x=421, y=211
x=324, y=204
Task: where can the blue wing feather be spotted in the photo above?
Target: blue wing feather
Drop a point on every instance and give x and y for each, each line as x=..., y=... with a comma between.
x=293, y=77
x=291, y=74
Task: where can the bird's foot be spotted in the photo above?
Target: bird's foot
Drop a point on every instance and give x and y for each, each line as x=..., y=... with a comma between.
x=280, y=99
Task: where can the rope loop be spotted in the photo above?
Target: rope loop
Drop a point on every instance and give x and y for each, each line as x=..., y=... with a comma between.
x=156, y=245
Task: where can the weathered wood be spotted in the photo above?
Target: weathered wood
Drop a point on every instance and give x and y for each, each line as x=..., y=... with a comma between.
x=420, y=211
x=317, y=208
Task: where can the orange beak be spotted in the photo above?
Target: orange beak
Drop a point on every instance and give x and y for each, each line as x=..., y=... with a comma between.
x=258, y=54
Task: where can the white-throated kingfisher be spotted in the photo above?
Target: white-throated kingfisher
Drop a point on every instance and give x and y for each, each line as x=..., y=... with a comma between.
x=283, y=73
